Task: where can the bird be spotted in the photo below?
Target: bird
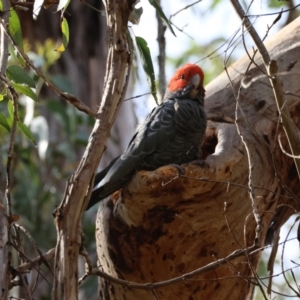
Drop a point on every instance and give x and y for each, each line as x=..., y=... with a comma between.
x=170, y=134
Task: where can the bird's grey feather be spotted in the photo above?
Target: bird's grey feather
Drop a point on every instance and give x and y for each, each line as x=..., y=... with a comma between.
x=171, y=134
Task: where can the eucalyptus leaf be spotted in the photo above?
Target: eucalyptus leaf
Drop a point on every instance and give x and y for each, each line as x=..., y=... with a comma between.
x=25, y=90
x=162, y=15
x=3, y=122
x=18, y=75
x=147, y=64
x=26, y=131
x=14, y=28
x=10, y=108
x=65, y=35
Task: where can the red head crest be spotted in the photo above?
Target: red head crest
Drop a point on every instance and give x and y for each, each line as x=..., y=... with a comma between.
x=183, y=77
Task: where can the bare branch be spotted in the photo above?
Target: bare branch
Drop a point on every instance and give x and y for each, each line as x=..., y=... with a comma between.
x=34, y=245
x=25, y=267
x=69, y=213
x=274, y=13
x=190, y=275
x=184, y=8
x=272, y=70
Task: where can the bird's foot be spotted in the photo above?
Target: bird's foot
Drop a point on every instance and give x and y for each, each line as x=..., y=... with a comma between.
x=180, y=169
x=200, y=163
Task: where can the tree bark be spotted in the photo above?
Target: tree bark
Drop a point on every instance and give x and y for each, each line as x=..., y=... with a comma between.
x=164, y=225
x=4, y=210
x=68, y=215
x=4, y=252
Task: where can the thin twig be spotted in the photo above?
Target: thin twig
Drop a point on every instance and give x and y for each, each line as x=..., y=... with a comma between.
x=34, y=245
x=226, y=183
x=151, y=286
x=88, y=265
x=138, y=96
x=272, y=70
x=274, y=13
x=184, y=8
x=25, y=267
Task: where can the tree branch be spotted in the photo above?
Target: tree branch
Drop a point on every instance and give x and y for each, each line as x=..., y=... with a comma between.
x=25, y=267
x=272, y=70
x=4, y=257
x=69, y=213
x=209, y=267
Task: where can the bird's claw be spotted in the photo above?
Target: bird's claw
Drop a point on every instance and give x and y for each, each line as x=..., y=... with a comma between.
x=180, y=169
x=200, y=163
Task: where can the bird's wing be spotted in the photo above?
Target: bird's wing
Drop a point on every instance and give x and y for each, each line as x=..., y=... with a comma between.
x=152, y=136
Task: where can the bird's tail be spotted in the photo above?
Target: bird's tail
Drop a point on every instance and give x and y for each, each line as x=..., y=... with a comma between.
x=108, y=188
x=104, y=191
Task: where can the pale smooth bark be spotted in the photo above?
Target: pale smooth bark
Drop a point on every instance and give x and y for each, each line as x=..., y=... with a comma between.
x=162, y=225
x=68, y=215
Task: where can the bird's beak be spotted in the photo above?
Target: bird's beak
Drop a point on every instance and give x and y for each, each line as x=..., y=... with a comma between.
x=195, y=80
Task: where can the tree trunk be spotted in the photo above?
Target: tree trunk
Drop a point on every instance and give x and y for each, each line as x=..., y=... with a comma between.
x=164, y=225
x=4, y=252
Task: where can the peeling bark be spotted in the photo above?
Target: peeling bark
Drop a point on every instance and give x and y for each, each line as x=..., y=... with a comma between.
x=163, y=225
x=69, y=213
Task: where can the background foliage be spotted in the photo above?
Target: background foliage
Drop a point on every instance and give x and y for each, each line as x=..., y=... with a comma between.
x=52, y=134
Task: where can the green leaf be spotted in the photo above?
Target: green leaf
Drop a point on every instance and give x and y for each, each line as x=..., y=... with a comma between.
x=19, y=75
x=65, y=32
x=162, y=15
x=276, y=3
x=3, y=122
x=14, y=28
x=10, y=108
x=147, y=63
x=26, y=131
x=23, y=89
x=65, y=37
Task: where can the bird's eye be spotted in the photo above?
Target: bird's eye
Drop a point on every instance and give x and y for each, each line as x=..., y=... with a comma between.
x=182, y=77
